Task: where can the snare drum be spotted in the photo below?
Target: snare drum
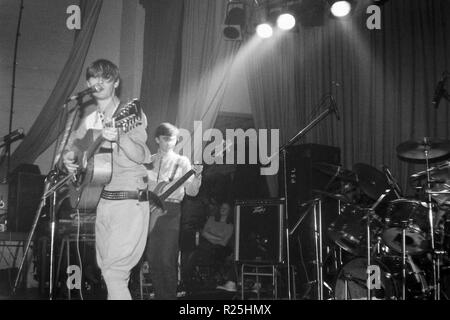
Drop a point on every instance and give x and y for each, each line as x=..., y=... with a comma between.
x=349, y=229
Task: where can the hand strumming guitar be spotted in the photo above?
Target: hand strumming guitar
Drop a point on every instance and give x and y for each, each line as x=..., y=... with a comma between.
x=110, y=134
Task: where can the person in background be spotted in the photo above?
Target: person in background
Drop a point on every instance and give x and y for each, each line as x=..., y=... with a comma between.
x=164, y=228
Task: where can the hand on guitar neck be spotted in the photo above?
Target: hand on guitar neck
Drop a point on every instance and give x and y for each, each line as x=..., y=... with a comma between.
x=198, y=168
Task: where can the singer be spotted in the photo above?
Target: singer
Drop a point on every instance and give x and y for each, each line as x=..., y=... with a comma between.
x=122, y=212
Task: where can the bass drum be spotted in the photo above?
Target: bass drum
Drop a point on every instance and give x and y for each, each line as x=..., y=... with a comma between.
x=354, y=274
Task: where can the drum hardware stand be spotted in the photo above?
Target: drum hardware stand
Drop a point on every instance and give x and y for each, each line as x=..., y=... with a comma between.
x=283, y=149
x=369, y=214
x=404, y=226
x=316, y=206
x=435, y=256
x=317, y=209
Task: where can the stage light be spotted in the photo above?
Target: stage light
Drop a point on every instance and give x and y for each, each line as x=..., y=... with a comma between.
x=264, y=30
x=234, y=21
x=341, y=8
x=286, y=21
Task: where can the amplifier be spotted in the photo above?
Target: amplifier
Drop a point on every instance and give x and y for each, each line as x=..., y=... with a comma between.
x=259, y=235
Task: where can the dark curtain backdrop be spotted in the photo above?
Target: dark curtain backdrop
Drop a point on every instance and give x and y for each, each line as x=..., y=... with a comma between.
x=161, y=63
x=383, y=82
x=48, y=124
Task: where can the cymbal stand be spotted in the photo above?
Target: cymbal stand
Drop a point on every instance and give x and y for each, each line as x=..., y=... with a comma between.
x=317, y=210
x=435, y=256
x=369, y=214
x=404, y=226
x=316, y=206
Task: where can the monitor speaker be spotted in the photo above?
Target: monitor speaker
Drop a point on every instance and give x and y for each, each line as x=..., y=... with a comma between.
x=259, y=235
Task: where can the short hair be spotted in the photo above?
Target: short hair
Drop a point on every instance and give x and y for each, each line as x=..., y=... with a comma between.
x=103, y=68
x=166, y=129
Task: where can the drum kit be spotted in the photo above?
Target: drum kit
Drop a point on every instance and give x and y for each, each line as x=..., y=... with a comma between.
x=392, y=246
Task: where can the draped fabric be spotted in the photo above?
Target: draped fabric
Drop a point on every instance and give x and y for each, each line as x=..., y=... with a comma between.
x=206, y=66
x=161, y=63
x=44, y=132
x=186, y=62
x=383, y=82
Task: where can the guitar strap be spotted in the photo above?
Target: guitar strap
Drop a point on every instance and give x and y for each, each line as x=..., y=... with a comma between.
x=174, y=171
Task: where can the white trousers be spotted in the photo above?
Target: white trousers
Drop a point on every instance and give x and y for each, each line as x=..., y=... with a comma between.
x=121, y=235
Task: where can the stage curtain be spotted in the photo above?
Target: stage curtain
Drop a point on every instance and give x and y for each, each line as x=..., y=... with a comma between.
x=161, y=63
x=206, y=66
x=382, y=80
x=44, y=132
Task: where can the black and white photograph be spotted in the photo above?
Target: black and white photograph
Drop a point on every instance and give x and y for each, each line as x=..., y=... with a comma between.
x=225, y=155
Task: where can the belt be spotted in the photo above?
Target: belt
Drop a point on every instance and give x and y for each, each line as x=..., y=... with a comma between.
x=141, y=195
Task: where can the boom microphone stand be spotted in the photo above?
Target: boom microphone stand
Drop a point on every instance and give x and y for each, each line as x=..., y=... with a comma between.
x=53, y=182
x=283, y=149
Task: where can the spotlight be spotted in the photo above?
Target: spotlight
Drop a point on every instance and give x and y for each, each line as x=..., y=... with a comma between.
x=340, y=8
x=286, y=21
x=234, y=21
x=264, y=30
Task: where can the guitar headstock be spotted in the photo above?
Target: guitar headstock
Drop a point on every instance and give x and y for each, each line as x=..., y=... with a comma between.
x=129, y=116
x=220, y=150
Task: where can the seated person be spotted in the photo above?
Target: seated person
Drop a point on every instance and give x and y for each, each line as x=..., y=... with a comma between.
x=214, y=243
x=218, y=230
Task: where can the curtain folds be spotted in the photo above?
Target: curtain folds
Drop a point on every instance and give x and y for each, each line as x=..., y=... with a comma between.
x=161, y=63
x=206, y=67
x=44, y=132
x=383, y=82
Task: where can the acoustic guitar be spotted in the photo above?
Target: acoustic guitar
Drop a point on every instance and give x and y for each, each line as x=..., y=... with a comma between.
x=95, y=160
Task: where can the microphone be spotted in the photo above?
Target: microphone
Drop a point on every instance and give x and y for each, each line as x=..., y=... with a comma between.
x=439, y=91
x=13, y=136
x=334, y=108
x=95, y=88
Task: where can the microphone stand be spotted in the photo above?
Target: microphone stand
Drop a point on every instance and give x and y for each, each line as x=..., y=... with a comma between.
x=283, y=150
x=53, y=182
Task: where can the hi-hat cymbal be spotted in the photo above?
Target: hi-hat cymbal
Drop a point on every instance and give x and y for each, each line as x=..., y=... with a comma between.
x=430, y=148
x=334, y=170
x=371, y=181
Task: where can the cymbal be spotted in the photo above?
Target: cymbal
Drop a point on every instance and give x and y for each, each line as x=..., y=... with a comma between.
x=334, y=170
x=335, y=196
x=416, y=149
x=371, y=181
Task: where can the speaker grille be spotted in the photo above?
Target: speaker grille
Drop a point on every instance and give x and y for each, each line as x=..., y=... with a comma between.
x=259, y=236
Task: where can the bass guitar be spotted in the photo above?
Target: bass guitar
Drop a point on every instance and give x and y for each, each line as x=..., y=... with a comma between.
x=162, y=190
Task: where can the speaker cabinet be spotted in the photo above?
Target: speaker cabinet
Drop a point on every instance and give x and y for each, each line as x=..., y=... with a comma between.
x=259, y=235
x=25, y=191
x=304, y=176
